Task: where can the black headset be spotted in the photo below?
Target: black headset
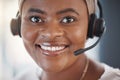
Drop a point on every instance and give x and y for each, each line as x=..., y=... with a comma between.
x=16, y=25
x=96, y=24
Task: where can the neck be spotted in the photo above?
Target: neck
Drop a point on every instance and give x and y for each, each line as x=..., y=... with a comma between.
x=74, y=72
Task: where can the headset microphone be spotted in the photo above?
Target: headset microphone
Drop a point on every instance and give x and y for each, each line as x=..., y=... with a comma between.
x=96, y=28
x=80, y=51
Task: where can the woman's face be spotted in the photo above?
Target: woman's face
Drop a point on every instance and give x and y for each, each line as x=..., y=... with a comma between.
x=52, y=30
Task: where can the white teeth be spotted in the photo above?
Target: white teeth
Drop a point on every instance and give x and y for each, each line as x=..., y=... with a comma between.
x=55, y=48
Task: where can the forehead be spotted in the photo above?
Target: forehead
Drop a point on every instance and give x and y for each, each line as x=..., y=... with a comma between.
x=53, y=5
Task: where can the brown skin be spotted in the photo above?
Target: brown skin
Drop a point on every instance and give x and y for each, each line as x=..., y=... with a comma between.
x=58, y=23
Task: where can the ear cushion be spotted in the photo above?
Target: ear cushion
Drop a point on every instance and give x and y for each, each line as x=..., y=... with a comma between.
x=99, y=27
x=91, y=26
x=96, y=26
x=16, y=26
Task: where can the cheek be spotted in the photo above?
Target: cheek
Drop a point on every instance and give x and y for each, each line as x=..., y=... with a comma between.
x=28, y=33
x=78, y=36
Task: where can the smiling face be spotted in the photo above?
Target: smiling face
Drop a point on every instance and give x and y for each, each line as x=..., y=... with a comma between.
x=52, y=30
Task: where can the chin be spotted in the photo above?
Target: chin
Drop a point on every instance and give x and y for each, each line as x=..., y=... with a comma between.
x=56, y=64
x=53, y=67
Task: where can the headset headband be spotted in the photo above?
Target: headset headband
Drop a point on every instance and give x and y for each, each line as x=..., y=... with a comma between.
x=91, y=5
x=96, y=22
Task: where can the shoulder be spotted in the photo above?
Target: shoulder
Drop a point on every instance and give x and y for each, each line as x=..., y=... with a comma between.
x=110, y=73
x=29, y=74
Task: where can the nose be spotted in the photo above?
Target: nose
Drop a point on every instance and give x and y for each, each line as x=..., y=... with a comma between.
x=52, y=31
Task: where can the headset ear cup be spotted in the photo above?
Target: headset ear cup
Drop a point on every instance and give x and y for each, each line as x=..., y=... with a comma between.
x=99, y=27
x=16, y=26
x=91, y=26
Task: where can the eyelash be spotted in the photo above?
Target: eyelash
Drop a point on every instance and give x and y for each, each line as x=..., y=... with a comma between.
x=36, y=19
x=64, y=20
x=69, y=19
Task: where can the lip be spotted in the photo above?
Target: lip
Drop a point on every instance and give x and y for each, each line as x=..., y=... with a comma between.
x=61, y=48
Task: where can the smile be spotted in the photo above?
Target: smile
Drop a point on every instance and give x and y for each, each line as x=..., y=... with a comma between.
x=52, y=50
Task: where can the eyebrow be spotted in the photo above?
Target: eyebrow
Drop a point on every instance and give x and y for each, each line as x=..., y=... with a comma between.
x=59, y=12
x=67, y=10
x=36, y=10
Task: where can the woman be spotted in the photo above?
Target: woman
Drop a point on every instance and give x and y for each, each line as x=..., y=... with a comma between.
x=51, y=31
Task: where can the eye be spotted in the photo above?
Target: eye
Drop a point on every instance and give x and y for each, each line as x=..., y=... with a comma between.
x=68, y=19
x=36, y=19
